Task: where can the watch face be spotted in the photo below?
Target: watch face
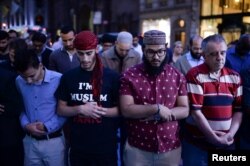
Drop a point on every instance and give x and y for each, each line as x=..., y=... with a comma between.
x=157, y=116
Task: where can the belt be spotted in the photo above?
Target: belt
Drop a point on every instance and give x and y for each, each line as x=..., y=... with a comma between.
x=55, y=134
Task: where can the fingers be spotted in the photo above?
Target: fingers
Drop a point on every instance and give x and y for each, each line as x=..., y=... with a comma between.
x=219, y=133
x=33, y=129
x=96, y=111
x=40, y=126
x=99, y=111
x=165, y=113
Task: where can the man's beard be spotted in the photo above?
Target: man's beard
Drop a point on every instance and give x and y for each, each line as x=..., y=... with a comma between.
x=195, y=56
x=3, y=49
x=135, y=44
x=154, y=70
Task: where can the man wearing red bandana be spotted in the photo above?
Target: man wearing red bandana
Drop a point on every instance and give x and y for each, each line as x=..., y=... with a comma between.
x=88, y=95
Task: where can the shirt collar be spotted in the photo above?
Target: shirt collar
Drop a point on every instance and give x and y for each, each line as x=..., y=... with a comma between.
x=47, y=76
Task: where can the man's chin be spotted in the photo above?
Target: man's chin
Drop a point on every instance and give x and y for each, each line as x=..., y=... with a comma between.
x=69, y=48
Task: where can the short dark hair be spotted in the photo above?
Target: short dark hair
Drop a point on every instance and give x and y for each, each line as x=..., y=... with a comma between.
x=26, y=58
x=242, y=47
x=67, y=29
x=13, y=31
x=4, y=35
x=212, y=38
x=40, y=37
x=192, y=38
x=108, y=38
x=18, y=44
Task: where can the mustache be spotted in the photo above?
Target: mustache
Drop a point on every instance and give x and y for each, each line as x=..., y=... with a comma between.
x=154, y=70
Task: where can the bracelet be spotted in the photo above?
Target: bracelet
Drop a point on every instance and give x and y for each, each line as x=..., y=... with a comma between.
x=157, y=116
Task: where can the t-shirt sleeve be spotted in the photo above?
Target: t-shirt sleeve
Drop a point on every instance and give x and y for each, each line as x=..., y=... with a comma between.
x=62, y=90
x=237, y=105
x=183, y=86
x=195, y=92
x=125, y=84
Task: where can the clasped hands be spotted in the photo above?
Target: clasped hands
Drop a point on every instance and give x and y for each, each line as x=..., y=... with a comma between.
x=165, y=114
x=91, y=109
x=222, y=138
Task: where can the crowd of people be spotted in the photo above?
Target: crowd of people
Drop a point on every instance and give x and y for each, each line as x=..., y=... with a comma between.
x=131, y=103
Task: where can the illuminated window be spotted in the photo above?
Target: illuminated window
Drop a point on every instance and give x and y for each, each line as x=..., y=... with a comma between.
x=210, y=7
x=246, y=20
x=209, y=26
x=231, y=6
x=158, y=24
x=246, y=6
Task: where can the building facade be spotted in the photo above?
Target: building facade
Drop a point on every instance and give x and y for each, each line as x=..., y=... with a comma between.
x=179, y=19
x=231, y=18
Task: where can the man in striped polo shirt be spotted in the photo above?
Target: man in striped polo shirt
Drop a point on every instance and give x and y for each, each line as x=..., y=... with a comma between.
x=215, y=94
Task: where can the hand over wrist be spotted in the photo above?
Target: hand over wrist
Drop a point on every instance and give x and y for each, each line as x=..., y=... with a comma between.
x=157, y=116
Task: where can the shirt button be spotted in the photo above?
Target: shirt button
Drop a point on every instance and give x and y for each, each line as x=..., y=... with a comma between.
x=35, y=97
x=35, y=109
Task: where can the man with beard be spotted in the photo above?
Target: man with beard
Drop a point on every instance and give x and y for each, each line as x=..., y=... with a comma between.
x=215, y=94
x=193, y=57
x=136, y=45
x=153, y=98
x=4, y=50
x=88, y=95
x=65, y=58
x=121, y=56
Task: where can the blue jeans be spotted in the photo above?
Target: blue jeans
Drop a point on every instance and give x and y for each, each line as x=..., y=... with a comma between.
x=193, y=156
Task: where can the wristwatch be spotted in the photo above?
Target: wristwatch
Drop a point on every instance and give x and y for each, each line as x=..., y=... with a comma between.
x=157, y=116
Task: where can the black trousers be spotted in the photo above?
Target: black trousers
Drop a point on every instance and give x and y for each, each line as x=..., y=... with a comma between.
x=79, y=159
x=11, y=156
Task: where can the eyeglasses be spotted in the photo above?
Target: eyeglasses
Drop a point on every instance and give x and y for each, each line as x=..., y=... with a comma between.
x=151, y=53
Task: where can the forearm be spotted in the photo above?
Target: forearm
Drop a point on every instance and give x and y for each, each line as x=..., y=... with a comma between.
x=180, y=112
x=68, y=111
x=236, y=121
x=204, y=126
x=112, y=112
x=139, y=111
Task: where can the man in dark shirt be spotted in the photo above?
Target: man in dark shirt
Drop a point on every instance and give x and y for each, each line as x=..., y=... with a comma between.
x=4, y=49
x=11, y=150
x=39, y=41
x=88, y=95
